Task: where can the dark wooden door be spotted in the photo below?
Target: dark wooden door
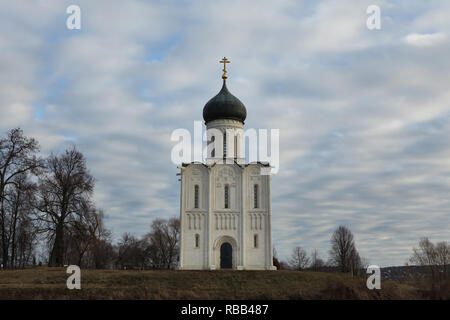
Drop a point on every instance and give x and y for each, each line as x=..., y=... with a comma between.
x=226, y=256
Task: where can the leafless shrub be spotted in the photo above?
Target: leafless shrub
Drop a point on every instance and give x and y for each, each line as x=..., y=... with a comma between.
x=299, y=259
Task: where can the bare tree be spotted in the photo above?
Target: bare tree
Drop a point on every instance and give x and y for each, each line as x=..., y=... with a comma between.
x=299, y=259
x=365, y=263
x=435, y=258
x=63, y=191
x=443, y=256
x=173, y=239
x=343, y=253
x=131, y=252
x=26, y=243
x=163, y=243
x=102, y=254
x=18, y=156
x=425, y=255
x=19, y=202
x=316, y=262
x=83, y=232
x=355, y=262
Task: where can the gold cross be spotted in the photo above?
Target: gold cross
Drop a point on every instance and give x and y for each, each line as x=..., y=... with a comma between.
x=224, y=61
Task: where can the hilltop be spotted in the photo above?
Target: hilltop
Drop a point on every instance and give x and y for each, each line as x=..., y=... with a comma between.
x=50, y=283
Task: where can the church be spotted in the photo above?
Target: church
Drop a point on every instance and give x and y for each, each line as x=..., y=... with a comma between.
x=225, y=204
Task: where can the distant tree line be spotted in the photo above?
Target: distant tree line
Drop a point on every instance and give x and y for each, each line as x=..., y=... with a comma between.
x=342, y=256
x=49, y=201
x=435, y=259
x=432, y=258
x=158, y=249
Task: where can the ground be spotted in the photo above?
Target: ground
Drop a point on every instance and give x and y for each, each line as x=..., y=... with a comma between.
x=50, y=283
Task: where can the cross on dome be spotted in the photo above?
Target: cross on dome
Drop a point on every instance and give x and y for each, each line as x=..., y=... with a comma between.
x=224, y=61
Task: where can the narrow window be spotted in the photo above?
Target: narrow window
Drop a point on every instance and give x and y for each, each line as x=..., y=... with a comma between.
x=225, y=145
x=255, y=241
x=255, y=196
x=235, y=147
x=227, y=196
x=196, y=196
x=213, y=152
x=197, y=241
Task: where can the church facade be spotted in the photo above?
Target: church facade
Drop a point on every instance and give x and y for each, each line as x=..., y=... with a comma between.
x=225, y=207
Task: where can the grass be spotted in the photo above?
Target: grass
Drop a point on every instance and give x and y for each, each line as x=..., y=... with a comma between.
x=50, y=283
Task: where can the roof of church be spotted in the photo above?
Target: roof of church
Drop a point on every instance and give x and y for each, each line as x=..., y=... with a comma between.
x=224, y=105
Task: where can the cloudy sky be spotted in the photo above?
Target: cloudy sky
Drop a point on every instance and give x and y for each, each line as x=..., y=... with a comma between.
x=364, y=115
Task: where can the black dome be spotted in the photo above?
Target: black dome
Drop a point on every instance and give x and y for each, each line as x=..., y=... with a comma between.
x=224, y=106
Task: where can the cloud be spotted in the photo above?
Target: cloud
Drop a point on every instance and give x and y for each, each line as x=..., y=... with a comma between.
x=425, y=40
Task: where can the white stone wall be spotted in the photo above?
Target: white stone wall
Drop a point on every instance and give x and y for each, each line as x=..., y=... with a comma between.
x=216, y=224
x=194, y=220
x=257, y=220
x=235, y=138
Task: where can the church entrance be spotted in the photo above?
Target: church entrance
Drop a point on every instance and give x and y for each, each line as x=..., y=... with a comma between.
x=226, y=256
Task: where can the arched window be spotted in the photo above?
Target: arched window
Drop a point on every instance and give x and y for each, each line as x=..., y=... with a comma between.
x=197, y=240
x=255, y=241
x=255, y=196
x=227, y=196
x=235, y=147
x=225, y=145
x=196, y=196
x=213, y=151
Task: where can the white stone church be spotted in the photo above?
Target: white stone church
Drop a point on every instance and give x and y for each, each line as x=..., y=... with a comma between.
x=225, y=205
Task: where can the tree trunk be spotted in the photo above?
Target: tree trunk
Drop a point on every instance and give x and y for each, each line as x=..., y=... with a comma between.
x=13, y=236
x=5, y=240
x=57, y=253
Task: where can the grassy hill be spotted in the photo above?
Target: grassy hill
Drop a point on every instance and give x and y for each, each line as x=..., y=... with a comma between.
x=50, y=283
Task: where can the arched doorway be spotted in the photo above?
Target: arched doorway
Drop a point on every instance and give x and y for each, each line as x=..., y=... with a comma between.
x=226, y=252
x=226, y=256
